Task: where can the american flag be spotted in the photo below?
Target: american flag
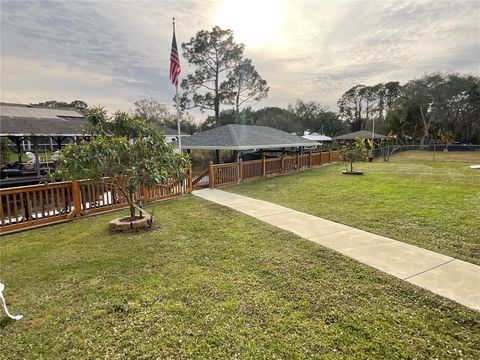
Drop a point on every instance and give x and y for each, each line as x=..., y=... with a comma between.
x=174, y=62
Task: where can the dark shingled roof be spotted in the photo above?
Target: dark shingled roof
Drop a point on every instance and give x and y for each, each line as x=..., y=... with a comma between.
x=24, y=120
x=362, y=134
x=244, y=137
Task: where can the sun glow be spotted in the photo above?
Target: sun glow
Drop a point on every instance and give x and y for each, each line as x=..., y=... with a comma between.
x=254, y=23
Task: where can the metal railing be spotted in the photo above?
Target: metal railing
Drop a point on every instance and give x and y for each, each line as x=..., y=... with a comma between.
x=429, y=152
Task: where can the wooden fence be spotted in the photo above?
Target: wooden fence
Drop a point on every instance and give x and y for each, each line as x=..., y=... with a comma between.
x=233, y=173
x=30, y=206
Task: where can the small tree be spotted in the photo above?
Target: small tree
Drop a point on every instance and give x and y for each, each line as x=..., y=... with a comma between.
x=356, y=151
x=130, y=152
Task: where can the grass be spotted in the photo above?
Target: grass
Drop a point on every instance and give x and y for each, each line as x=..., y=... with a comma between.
x=434, y=205
x=210, y=283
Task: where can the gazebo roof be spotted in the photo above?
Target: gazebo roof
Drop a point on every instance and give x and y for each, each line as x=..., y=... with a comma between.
x=244, y=137
x=28, y=120
x=362, y=134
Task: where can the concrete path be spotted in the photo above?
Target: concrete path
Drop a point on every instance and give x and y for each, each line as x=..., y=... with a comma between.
x=446, y=276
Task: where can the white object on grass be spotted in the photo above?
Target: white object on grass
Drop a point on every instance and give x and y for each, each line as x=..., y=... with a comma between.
x=474, y=166
x=4, y=303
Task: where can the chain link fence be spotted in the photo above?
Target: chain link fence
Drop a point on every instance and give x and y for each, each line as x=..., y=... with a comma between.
x=431, y=152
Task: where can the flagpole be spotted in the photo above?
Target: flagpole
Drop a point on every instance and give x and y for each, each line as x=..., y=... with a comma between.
x=178, y=105
x=178, y=120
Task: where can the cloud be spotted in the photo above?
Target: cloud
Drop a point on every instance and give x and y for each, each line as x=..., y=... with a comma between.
x=114, y=52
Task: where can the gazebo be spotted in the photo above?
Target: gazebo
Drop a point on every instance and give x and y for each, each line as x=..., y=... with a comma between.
x=246, y=138
x=28, y=125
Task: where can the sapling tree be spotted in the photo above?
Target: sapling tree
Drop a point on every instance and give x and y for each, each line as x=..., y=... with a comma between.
x=355, y=151
x=128, y=152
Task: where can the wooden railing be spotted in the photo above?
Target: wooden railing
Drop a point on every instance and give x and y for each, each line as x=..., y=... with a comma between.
x=233, y=173
x=29, y=206
x=251, y=169
x=200, y=179
x=225, y=174
x=26, y=206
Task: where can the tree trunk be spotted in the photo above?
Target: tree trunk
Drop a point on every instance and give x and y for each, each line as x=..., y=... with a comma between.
x=237, y=110
x=132, y=208
x=216, y=100
x=366, y=114
x=426, y=134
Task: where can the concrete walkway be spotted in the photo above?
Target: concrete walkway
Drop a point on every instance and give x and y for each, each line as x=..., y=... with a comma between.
x=446, y=276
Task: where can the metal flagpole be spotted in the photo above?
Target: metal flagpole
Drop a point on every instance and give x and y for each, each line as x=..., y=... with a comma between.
x=178, y=120
x=178, y=105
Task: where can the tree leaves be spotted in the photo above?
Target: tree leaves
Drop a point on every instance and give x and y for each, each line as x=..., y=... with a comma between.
x=125, y=149
x=222, y=75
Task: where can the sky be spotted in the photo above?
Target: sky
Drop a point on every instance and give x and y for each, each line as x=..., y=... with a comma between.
x=112, y=53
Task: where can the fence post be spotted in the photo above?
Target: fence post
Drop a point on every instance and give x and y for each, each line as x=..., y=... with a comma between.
x=240, y=171
x=329, y=156
x=145, y=194
x=190, y=179
x=296, y=161
x=211, y=182
x=76, y=198
x=310, y=160
x=281, y=161
x=264, y=173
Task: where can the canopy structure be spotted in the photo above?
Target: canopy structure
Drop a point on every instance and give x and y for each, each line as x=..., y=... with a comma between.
x=30, y=124
x=19, y=120
x=362, y=134
x=316, y=137
x=245, y=137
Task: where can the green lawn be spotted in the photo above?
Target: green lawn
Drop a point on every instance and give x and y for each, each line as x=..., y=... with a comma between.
x=209, y=283
x=435, y=205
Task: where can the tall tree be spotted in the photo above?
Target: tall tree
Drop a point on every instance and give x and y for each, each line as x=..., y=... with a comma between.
x=278, y=118
x=350, y=107
x=246, y=85
x=316, y=117
x=214, y=53
x=152, y=111
x=187, y=123
x=437, y=106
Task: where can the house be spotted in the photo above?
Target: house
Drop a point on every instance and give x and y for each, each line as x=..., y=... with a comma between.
x=172, y=134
